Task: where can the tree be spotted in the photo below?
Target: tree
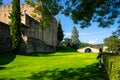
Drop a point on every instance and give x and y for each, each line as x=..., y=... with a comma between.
x=46, y=9
x=83, y=12
x=112, y=43
x=67, y=42
x=117, y=32
x=105, y=12
x=75, y=38
x=60, y=34
x=82, y=45
x=1, y=2
x=15, y=26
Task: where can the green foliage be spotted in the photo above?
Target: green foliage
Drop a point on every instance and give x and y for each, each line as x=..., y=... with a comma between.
x=57, y=66
x=83, y=12
x=74, y=41
x=47, y=9
x=66, y=42
x=60, y=34
x=112, y=43
x=65, y=49
x=1, y=2
x=75, y=38
x=117, y=32
x=15, y=26
x=112, y=65
x=82, y=45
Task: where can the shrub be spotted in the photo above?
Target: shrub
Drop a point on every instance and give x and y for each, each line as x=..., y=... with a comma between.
x=112, y=65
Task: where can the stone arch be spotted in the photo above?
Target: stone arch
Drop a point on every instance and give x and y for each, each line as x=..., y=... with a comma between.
x=88, y=50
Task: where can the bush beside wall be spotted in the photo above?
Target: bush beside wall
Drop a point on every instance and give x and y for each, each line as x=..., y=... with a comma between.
x=112, y=65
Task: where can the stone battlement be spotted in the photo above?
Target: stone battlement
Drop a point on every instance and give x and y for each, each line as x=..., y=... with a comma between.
x=6, y=8
x=5, y=11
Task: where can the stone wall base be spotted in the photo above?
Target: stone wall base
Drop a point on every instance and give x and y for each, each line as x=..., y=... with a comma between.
x=35, y=45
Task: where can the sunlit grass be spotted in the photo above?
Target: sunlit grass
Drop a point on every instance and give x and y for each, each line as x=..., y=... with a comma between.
x=23, y=67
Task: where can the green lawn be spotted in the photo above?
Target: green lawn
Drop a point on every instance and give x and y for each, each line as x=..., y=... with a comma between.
x=56, y=66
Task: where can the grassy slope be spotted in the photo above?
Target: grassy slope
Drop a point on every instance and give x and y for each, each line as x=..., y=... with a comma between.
x=57, y=66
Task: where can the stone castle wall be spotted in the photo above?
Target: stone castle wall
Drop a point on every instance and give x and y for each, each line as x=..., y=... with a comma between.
x=5, y=45
x=49, y=35
x=31, y=28
x=5, y=11
x=35, y=45
x=29, y=46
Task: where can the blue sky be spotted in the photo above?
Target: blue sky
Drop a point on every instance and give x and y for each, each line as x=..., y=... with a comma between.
x=92, y=34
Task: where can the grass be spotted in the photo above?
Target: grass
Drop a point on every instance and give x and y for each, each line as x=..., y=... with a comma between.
x=56, y=66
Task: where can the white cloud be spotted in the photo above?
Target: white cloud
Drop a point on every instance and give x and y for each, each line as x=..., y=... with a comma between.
x=67, y=35
x=93, y=41
x=87, y=34
x=86, y=37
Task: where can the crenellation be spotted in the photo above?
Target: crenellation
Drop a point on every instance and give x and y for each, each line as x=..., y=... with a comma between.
x=5, y=13
x=5, y=8
x=22, y=6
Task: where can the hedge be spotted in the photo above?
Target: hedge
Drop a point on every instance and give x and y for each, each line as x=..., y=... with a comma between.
x=112, y=65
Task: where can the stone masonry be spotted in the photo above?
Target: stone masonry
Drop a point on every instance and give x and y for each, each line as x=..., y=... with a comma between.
x=5, y=46
x=33, y=39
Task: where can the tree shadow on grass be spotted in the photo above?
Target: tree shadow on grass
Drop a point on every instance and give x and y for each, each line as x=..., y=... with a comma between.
x=91, y=72
x=46, y=54
x=65, y=49
x=38, y=54
x=6, y=59
x=1, y=68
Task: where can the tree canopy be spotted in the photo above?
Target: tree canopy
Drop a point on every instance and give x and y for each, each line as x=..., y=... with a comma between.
x=67, y=42
x=105, y=12
x=47, y=9
x=112, y=43
x=1, y=2
x=82, y=12
x=117, y=32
